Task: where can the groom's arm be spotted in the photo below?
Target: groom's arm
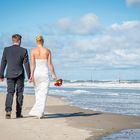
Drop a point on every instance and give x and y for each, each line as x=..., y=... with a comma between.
x=27, y=64
x=3, y=64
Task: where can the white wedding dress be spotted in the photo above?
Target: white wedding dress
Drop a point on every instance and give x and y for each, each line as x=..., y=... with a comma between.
x=41, y=86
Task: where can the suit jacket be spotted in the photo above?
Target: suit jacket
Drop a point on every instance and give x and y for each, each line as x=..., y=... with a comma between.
x=14, y=57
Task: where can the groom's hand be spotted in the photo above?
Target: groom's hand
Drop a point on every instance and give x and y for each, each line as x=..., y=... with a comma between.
x=1, y=79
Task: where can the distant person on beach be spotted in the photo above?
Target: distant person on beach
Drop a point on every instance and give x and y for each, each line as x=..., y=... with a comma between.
x=14, y=57
x=40, y=60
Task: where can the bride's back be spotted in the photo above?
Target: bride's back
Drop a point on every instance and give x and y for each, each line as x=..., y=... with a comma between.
x=40, y=53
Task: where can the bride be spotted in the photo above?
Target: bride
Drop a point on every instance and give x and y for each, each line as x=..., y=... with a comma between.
x=40, y=60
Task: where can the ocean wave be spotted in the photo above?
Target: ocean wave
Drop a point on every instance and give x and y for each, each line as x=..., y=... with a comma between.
x=80, y=91
x=128, y=134
x=111, y=94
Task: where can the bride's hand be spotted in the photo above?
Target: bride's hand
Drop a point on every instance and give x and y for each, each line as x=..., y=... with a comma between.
x=30, y=79
x=54, y=77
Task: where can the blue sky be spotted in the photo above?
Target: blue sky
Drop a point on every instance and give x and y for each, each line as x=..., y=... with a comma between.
x=86, y=37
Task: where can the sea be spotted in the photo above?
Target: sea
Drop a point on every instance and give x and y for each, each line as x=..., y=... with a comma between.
x=121, y=97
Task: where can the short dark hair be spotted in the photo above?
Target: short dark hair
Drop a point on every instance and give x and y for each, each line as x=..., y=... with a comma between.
x=17, y=36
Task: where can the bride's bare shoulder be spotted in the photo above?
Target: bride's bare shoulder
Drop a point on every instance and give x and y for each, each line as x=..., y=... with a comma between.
x=48, y=50
x=33, y=50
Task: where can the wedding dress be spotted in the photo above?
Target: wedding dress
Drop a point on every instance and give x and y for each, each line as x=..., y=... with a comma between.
x=41, y=87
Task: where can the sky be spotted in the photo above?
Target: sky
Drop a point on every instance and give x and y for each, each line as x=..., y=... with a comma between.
x=98, y=39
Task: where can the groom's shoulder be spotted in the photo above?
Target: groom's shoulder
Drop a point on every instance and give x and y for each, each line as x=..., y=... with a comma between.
x=17, y=50
x=6, y=48
x=23, y=48
x=10, y=47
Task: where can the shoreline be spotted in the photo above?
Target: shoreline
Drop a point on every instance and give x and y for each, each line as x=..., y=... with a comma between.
x=75, y=123
x=117, y=126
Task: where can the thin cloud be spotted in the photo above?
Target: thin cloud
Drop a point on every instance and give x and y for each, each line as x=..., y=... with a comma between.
x=87, y=24
x=133, y=2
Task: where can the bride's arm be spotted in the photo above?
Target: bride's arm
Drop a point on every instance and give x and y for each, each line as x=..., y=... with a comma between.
x=51, y=66
x=32, y=66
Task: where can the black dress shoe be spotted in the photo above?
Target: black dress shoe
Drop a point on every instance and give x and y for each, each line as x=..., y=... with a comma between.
x=8, y=115
x=19, y=116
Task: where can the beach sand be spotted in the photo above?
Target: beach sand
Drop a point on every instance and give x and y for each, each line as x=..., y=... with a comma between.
x=61, y=122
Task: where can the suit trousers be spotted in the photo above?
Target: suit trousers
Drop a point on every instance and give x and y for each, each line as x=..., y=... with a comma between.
x=15, y=85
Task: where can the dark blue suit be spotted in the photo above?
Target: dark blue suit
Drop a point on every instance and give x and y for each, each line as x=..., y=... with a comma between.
x=14, y=57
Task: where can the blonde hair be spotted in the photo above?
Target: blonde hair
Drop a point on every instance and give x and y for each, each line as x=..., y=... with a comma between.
x=40, y=39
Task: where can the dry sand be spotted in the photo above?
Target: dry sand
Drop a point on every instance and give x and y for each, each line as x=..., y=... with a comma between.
x=62, y=122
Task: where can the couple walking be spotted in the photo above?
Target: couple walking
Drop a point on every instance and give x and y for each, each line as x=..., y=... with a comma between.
x=15, y=58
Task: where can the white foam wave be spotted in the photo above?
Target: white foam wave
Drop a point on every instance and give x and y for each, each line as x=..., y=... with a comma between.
x=80, y=91
x=112, y=94
x=103, y=85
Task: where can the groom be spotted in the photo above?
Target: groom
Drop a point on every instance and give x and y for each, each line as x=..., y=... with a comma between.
x=14, y=57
